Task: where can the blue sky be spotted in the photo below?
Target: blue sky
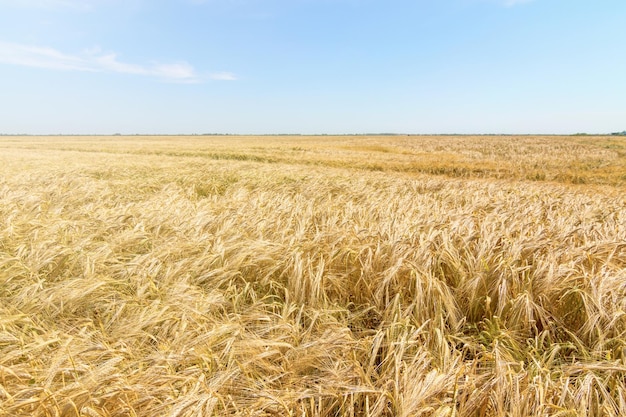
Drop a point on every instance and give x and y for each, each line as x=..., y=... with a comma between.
x=312, y=66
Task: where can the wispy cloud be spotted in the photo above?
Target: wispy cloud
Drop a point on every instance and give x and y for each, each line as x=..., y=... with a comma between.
x=501, y=3
x=41, y=57
x=95, y=60
x=511, y=3
x=50, y=4
x=223, y=76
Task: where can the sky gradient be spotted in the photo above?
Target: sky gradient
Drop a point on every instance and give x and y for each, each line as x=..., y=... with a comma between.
x=312, y=66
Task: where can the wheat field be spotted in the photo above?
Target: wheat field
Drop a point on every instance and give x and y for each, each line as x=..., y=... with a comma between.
x=312, y=276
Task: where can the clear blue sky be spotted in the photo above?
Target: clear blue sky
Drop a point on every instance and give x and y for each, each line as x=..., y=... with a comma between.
x=312, y=66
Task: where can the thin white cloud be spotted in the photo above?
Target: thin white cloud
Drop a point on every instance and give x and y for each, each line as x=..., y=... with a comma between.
x=94, y=60
x=41, y=57
x=179, y=71
x=223, y=76
x=511, y=3
x=110, y=63
x=50, y=4
x=502, y=3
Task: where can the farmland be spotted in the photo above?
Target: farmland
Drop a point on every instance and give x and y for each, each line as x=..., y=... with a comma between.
x=312, y=276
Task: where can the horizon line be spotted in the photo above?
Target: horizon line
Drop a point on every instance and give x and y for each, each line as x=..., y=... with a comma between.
x=622, y=133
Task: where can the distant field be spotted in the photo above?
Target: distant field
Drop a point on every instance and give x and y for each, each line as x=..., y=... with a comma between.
x=567, y=159
x=313, y=276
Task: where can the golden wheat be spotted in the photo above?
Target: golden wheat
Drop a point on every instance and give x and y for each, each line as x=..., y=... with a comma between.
x=317, y=276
